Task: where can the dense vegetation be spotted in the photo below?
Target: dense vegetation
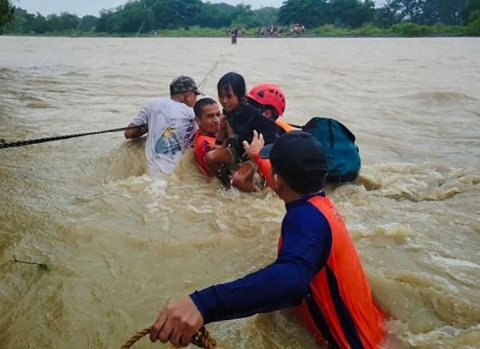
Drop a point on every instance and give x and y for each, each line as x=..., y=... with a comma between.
x=196, y=18
x=6, y=13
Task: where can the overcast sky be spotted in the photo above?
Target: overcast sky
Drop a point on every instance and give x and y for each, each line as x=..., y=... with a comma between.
x=93, y=7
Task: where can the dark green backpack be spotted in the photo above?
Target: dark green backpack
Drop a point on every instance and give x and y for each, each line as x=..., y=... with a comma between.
x=339, y=142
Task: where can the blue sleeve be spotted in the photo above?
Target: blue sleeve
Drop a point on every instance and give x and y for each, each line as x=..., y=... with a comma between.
x=307, y=241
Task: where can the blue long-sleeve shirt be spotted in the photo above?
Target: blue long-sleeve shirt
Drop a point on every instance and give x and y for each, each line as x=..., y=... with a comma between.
x=307, y=242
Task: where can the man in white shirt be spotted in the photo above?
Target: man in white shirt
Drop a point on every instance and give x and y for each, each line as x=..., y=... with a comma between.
x=170, y=125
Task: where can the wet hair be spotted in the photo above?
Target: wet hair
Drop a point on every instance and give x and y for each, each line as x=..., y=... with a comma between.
x=201, y=103
x=236, y=82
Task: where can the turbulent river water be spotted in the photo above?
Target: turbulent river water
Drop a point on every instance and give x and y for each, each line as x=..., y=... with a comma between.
x=119, y=244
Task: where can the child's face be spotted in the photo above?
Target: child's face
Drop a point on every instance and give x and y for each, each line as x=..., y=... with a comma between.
x=228, y=99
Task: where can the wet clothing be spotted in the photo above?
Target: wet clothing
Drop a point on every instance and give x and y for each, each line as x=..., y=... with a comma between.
x=243, y=120
x=339, y=308
x=171, y=127
x=202, y=145
x=316, y=262
x=264, y=167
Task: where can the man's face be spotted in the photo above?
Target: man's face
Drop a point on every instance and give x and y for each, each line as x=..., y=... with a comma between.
x=209, y=121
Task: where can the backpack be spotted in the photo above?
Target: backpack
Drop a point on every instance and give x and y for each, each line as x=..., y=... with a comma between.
x=339, y=142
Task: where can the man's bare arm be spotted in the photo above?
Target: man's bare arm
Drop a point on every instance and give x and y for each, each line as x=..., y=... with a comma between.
x=135, y=132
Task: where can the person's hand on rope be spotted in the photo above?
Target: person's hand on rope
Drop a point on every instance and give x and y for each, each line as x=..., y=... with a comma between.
x=178, y=322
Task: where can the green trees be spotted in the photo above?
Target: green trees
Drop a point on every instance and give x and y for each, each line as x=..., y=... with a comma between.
x=347, y=16
x=307, y=12
x=6, y=13
x=148, y=15
x=244, y=17
x=426, y=12
x=87, y=23
x=315, y=13
x=266, y=16
x=351, y=13
x=471, y=17
x=61, y=23
x=26, y=23
x=216, y=15
x=470, y=11
x=172, y=14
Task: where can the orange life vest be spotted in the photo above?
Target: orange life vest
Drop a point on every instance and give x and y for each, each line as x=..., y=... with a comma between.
x=201, y=147
x=339, y=308
x=264, y=167
x=286, y=127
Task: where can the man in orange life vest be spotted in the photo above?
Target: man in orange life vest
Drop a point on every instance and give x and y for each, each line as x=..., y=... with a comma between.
x=317, y=268
x=207, y=116
x=269, y=99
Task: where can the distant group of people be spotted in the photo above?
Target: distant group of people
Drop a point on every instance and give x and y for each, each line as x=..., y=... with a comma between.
x=244, y=145
x=272, y=30
x=276, y=30
x=298, y=29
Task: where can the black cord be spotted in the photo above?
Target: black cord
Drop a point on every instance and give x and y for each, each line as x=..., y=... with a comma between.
x=3, y=144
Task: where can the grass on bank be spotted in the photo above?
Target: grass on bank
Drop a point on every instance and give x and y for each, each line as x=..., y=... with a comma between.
x=397, y=30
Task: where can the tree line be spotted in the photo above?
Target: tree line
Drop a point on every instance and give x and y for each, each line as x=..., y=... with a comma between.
x=147, y=16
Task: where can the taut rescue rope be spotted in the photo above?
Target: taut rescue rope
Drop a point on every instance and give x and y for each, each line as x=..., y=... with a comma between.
x=3, y=144
x=210, y=72
x=202, y=339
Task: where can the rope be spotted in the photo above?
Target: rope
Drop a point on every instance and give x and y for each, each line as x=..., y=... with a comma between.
x=210, y=72
x=202, y=339
x=3, y=144
x=136, y=337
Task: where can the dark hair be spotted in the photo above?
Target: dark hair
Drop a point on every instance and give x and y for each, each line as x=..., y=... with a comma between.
x=236, y=82
x=304, y=185
x=201, y=103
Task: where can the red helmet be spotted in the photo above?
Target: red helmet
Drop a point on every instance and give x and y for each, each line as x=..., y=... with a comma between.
x=269, y=94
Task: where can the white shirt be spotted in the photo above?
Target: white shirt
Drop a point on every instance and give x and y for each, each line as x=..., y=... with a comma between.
x=171, y=128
